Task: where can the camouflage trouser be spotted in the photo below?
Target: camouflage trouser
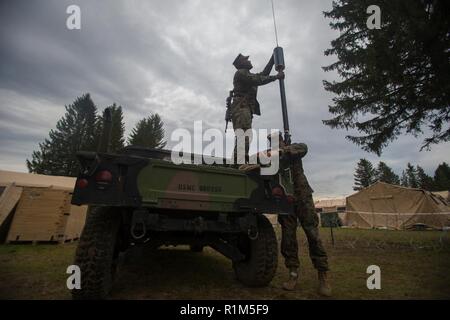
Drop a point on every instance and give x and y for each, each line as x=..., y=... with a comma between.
x=242, y=119
x=305, y=213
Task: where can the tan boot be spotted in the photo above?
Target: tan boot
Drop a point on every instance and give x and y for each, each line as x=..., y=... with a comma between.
x=324, y=286
x=292, y=281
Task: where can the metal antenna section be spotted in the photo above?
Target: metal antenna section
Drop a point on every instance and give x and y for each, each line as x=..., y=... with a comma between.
x=274, y=22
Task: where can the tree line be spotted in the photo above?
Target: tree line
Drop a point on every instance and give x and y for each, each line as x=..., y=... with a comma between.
x=81, y=128
x=393, y=80
x=412, y=177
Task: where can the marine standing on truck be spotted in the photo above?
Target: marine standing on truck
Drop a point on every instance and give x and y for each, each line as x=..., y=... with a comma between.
x=245, y=104
x=305, y=214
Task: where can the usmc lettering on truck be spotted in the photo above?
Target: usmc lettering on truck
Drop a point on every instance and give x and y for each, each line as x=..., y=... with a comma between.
x=206, y=188
x=200, y=188
x=186, y=187
x=246, y=309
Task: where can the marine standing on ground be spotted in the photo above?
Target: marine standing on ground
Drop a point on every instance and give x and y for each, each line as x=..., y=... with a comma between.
x=305, y=214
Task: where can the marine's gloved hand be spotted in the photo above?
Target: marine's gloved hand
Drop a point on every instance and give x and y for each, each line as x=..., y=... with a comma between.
x=296, y=149
x=280, y=75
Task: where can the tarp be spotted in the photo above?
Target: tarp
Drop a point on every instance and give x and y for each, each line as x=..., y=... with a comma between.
x=394, y=207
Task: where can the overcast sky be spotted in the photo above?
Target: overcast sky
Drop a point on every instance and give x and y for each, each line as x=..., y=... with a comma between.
x=174, y=58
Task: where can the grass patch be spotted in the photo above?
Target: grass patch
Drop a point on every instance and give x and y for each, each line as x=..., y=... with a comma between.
x=414, y=265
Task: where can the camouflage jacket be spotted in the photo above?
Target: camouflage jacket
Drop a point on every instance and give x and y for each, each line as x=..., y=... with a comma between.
x=291, y=156
x=246, y=86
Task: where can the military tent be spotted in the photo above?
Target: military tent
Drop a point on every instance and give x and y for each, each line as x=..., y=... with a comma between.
x=384, y=205
x=36, y=208
x=444, y=194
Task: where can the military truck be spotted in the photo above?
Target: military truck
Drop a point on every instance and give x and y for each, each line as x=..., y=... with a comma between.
x=139, y=196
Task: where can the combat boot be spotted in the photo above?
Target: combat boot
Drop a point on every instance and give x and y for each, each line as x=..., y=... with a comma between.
x=324, y=286
x=292, y=281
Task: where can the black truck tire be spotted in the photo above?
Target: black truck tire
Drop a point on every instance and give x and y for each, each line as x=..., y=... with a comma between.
x=260, y=264
x=97, y=253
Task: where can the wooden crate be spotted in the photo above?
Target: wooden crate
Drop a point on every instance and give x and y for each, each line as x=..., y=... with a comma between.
x=41, y=215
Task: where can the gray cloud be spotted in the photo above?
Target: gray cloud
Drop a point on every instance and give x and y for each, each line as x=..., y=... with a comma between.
x=174, y=58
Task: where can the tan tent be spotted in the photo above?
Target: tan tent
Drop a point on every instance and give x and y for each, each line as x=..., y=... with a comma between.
x=36, y=180
x=36, y=208
x=394, y=207
x=444, y=194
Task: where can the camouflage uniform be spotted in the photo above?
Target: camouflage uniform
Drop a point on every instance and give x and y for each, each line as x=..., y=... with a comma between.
x=304, y=213
x=245, y=104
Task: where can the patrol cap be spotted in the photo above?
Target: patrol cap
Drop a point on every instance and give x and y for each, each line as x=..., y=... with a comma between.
x=239, y=59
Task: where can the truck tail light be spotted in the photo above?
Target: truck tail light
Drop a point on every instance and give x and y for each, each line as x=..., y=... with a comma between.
x=290, y=199
x=103, y=178
x=277, y=192
x=82, y=183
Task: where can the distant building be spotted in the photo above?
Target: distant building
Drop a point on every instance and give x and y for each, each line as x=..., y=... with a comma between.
x=331, y=211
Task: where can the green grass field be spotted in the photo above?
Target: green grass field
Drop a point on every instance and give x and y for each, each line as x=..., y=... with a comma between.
x=414, y=265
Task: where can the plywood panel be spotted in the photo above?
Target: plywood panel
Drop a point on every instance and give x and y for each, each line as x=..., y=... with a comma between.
x=75, y=222
x=41, y=215
x=8, y=200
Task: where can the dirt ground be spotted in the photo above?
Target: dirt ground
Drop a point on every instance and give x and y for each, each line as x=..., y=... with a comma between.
x=414, y=265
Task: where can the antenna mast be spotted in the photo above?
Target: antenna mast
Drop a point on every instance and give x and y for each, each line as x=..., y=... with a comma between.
x=274, y=23
x=278, y=56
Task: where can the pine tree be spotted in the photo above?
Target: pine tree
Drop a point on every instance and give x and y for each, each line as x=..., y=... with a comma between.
x=117, y=140
x=395, y=79
x=411, y=176
x=404, y=180
x=75, y=131
x=384, y=173
x=424, y=181
x=148, y=133
x=442, y=177
x=364, y=175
